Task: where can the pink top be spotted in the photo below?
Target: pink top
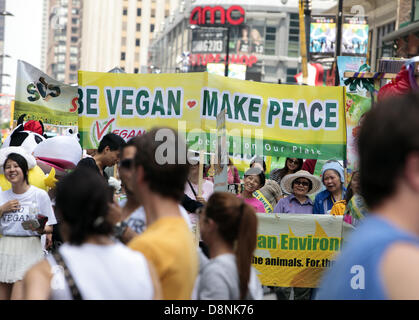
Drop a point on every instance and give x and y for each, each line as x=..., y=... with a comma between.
x=255, y=203
x=207, y=189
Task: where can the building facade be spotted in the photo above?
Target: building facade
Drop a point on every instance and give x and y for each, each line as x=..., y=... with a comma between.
x=404, y=41
x=64, y=39
x=117, y=33
x=262, y=35
x=383, y=16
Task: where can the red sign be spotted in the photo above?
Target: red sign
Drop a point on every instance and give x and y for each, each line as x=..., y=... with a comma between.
x=198, y=15
x=203, y=59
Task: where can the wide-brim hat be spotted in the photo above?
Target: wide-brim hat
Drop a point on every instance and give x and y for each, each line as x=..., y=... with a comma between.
x=286, y=182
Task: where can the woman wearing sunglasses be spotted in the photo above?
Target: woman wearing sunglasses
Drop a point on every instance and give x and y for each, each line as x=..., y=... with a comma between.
x=292, y=165
x=299, y=185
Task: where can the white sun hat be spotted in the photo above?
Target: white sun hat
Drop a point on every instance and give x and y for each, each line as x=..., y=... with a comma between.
x=286, y=182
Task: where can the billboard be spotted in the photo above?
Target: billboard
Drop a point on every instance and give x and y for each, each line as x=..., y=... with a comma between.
x=209, y=40
x=323, y=35
x=246, y=45
x=354, y=36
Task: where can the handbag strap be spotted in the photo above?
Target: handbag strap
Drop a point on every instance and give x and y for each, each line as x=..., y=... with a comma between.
x=68, y=277
x=193, y=190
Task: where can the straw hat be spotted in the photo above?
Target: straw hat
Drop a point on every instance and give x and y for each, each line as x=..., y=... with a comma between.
x=286, y=182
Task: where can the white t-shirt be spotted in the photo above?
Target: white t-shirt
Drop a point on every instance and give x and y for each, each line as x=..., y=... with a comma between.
x=137, y=220
x=11, y=222
x=102, y=272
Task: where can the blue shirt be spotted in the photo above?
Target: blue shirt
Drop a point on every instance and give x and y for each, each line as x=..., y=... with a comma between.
x=323, y=202
x=291, y=204
x=356, y=273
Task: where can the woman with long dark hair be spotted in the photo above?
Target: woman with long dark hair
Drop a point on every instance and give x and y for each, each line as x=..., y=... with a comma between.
x=292, y=165
x=89, y=265
x=228, y=227
x=20, y=245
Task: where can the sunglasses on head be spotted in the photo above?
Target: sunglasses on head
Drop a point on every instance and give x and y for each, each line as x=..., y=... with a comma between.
x=126, y=163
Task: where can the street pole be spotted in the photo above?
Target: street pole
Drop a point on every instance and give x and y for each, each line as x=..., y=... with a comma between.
x=227, y=52
x=338, y=39
x=303, y=45
x=307, y=19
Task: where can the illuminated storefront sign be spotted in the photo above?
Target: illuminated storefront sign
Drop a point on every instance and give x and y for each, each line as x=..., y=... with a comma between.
x=199, y=15
x=204, y=59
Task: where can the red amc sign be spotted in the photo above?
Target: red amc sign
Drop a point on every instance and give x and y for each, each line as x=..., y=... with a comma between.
x=198, y=15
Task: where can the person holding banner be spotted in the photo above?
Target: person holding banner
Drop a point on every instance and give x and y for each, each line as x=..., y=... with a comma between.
x=229, y=227
x=380, y=259
x=192, y=185
x=254, y=179
x=299, y=185
x=271, y=192
x=333, y=177
x=292, y=165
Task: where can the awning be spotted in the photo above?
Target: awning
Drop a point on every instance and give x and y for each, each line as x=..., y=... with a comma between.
x=413, y=27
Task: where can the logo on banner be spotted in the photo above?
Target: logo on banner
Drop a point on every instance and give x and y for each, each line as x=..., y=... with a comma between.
x=42, y=89
x=100, y=129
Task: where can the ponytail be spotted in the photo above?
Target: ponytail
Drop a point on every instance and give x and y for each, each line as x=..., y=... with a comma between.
x=237, y=225
x=245, y=245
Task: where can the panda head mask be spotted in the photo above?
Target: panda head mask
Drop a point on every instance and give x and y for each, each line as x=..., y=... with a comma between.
x=27, y=135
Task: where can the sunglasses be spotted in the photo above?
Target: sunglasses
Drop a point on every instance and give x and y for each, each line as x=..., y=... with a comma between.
x=302, y=183
x=293, y=161
x=126, y=163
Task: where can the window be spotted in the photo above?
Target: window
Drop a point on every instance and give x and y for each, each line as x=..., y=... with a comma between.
x=415, y=14
x=74, y=50
x=125, y=12
x=138, y=28
x=294, y=37
x=152, y=28
x=291, y=72
x=74, y=39
x=382, y=50
x=270, y=40
x=74, y=29
x=138, y=12
x=73, y=77
x=73, y=67
x=153, y=13
x=137, y=42
x=124, y=41
x=75, y=11
x=123, y=56
x=136, y=70
x=75, y=21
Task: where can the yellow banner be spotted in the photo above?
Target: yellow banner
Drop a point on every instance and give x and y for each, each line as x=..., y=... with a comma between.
x=293, y=250
x=263, y=119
